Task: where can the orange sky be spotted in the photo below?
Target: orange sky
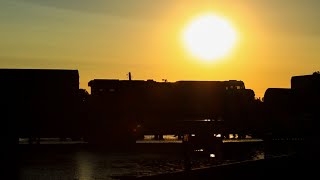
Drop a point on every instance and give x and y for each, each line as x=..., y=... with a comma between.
x=107, y=39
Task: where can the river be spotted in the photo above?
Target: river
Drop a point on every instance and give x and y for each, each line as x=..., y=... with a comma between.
x=80, y=162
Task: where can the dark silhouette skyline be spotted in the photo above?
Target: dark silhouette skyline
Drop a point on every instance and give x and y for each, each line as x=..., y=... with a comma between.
x=48, y=103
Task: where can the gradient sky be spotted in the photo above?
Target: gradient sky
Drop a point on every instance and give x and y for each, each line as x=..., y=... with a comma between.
x=107, y=39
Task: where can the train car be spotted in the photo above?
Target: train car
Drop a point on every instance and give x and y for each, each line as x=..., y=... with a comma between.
x=279, y=111
x=294, y=111
x=121, y=110
x=38, y=102
x=292, y=116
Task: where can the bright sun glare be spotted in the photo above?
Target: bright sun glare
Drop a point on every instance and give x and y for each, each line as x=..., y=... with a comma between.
x=209, y=37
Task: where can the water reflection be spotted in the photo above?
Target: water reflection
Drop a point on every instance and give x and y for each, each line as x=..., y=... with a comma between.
x=79, y=163
x=84, y=168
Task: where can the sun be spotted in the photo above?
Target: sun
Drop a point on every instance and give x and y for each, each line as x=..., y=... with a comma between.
x=209, y=37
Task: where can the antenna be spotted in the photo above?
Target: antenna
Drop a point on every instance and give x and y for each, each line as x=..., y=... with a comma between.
x=129, y=74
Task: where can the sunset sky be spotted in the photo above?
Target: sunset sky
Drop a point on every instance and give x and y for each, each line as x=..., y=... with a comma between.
x=107, y=39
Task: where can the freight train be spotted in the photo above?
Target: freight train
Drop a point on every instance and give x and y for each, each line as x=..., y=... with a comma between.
x=131, y=108
x=48, y=103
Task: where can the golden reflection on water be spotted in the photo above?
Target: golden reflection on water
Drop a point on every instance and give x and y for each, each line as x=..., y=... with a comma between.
x=84, y=167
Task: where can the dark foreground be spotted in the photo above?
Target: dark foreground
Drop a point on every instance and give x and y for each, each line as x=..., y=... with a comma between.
x=284, y=167
x=79, y=162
